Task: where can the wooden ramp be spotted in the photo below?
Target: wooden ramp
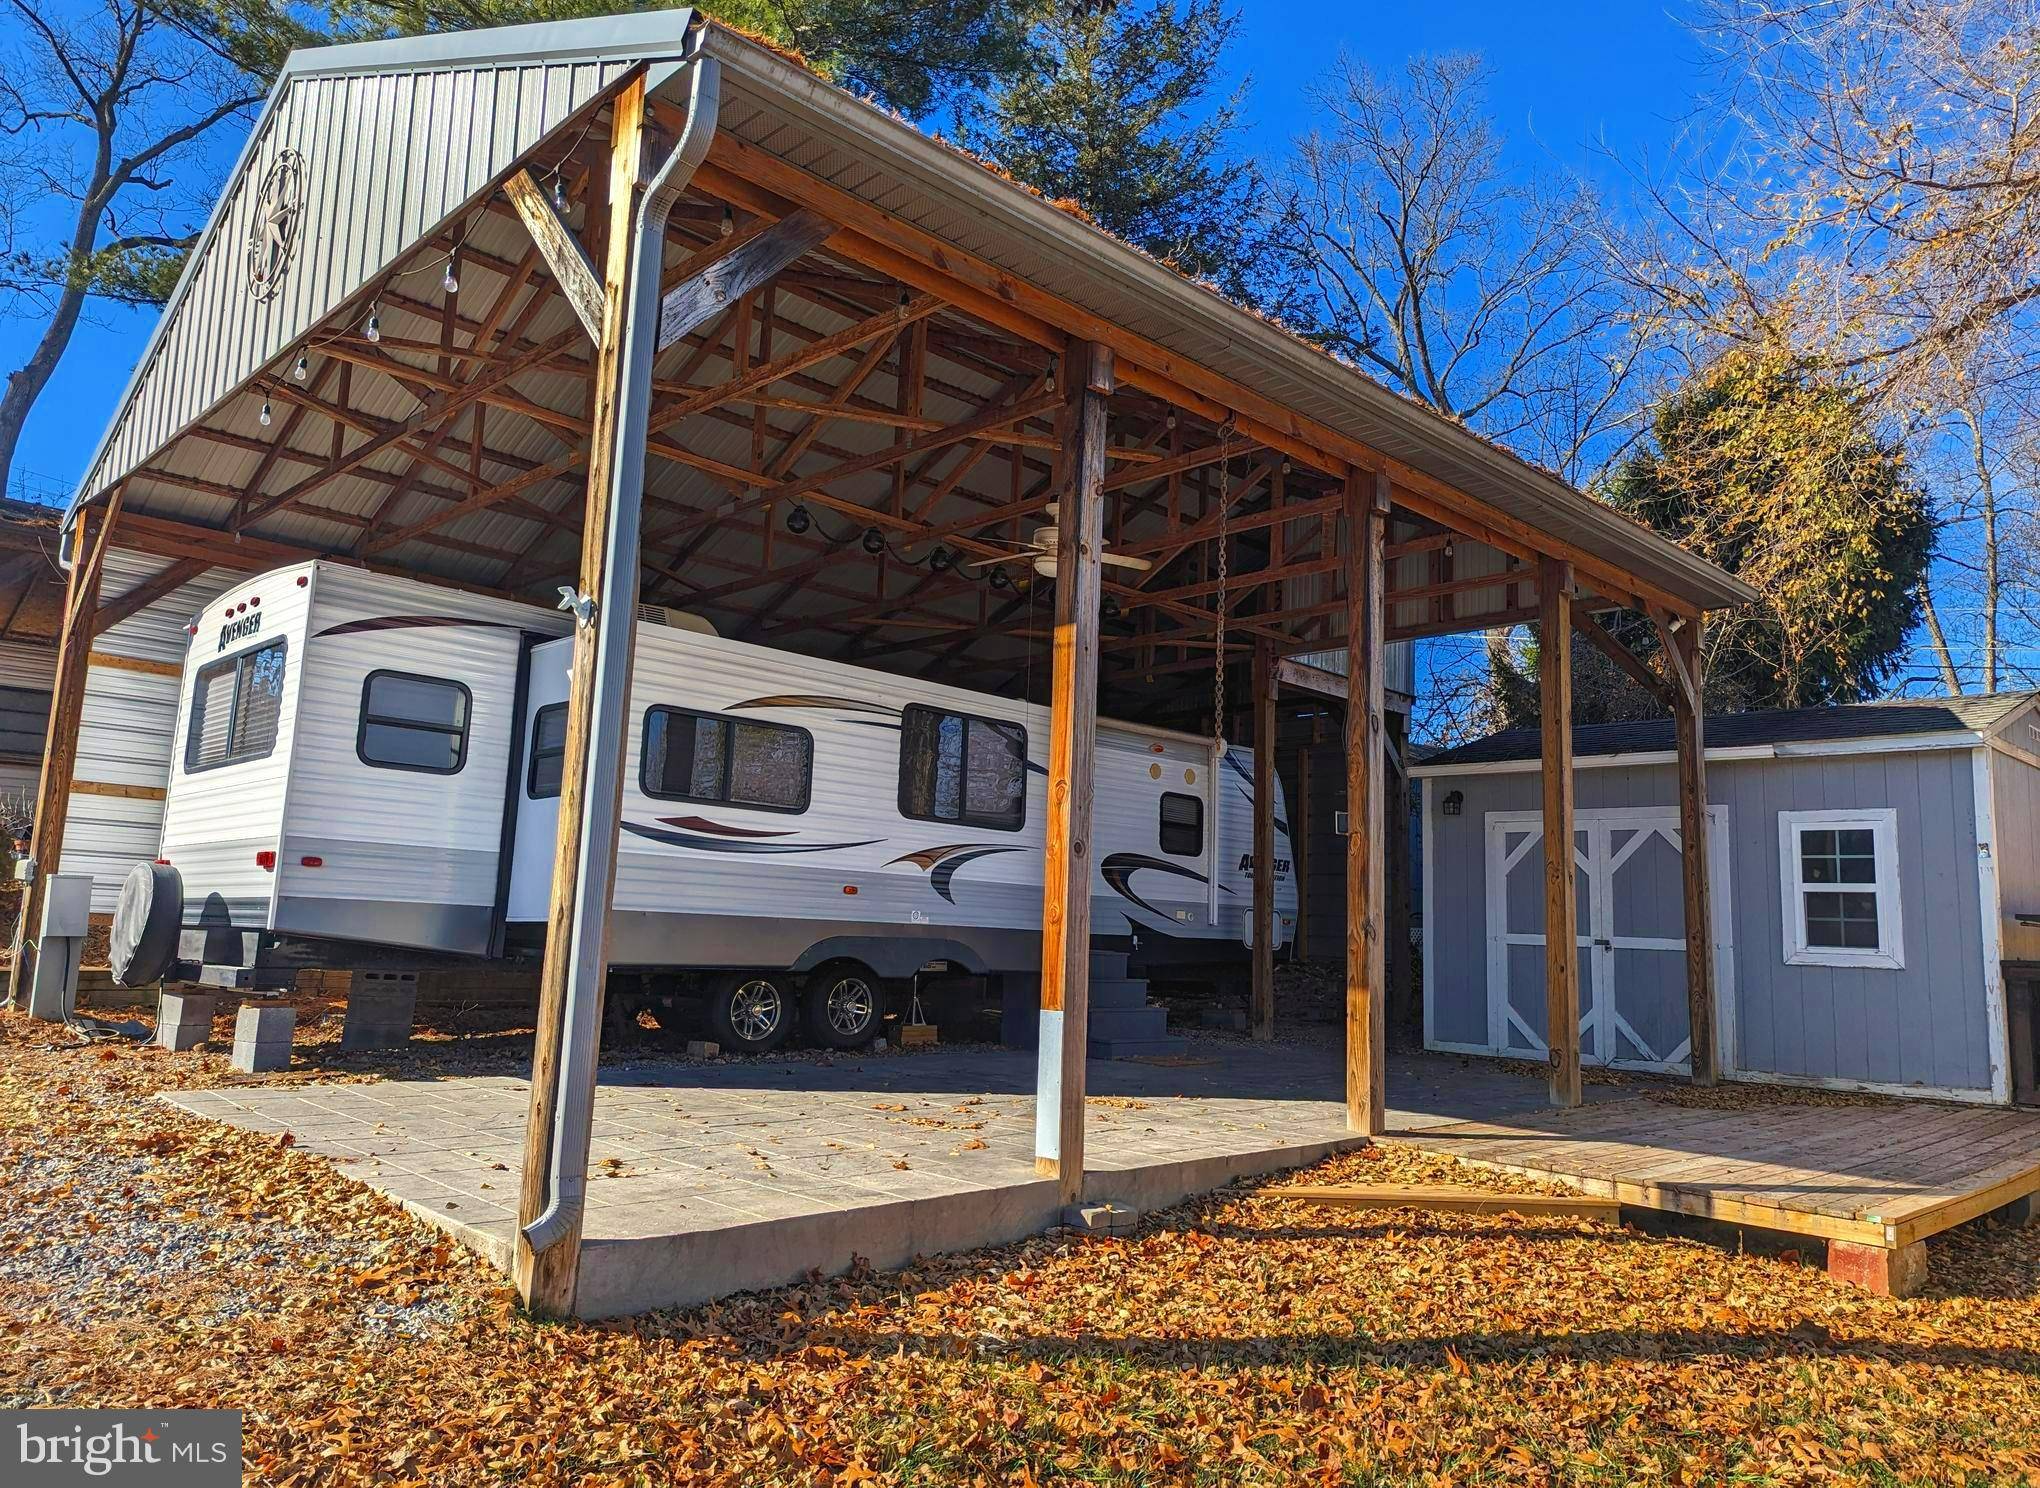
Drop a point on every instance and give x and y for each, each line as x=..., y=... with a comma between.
x=1873, y=1181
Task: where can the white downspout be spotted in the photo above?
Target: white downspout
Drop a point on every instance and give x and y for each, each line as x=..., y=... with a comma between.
x=615, y=619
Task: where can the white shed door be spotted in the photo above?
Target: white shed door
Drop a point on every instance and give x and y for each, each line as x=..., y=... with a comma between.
x=1631, y=934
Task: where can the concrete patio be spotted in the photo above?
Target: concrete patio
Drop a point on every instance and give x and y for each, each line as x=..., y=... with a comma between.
x=711, y=1178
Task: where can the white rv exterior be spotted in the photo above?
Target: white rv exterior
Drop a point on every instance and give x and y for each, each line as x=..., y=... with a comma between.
x=769, y=819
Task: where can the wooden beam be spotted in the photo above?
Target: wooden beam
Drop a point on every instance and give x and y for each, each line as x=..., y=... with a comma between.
x=699, y=299
x=563, y=253
x=146, y=593
x=1263, y=994
x=60, y=747
x=1068, y=863
x=1309, y=678
x=1561, y=922
x=1632, y=666
x=547, y=1280
x=1367, y=509
x=1681, y=645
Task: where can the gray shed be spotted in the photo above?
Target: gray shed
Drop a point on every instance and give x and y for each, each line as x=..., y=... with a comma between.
x=1876, y=873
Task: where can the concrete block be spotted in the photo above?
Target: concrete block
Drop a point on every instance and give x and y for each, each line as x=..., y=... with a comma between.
x=1101, y=1218
x=262, y=1038
x=2020, y=1212
x=1882, y=1272
x=184, y=1020
x=380, y=1008
x=703, y=1049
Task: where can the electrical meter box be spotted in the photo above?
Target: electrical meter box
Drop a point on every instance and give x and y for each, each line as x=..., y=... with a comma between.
x=67, y=904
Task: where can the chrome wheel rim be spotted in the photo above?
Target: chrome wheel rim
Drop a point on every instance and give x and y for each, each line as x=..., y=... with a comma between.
x=755, y=1009
x=851, y=1002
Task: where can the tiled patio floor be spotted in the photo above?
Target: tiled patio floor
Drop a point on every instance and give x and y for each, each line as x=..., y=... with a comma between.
x=710, y=1178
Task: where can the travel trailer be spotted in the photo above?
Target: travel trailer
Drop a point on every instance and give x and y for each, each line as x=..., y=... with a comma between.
x=367, y=772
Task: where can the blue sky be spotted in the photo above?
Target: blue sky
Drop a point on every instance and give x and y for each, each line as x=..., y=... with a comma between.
x=1568, y=73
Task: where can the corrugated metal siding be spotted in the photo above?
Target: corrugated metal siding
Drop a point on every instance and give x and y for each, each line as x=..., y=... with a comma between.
x=389, y=158
x=1399, y=663
x=1923, y=1026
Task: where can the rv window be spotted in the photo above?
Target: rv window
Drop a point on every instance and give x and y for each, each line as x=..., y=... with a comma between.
x=957, y=768
x=700, y=757
x=548, y=750
x=1182, y=824
x=413, y=723
x=235, y=704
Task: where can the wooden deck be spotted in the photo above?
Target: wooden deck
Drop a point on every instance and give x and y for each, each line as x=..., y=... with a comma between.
x=1879, y=1177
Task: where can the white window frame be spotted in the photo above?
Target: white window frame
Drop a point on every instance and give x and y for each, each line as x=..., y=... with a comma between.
x=1883, y=825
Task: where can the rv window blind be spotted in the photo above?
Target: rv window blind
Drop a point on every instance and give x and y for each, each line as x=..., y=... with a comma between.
x=410, y=722
x=1182, y=824
x=734, y=761
x=236, y=703
x=548, y=751
x=955, y=767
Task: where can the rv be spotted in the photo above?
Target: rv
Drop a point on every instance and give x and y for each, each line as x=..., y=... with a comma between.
x=367, y=772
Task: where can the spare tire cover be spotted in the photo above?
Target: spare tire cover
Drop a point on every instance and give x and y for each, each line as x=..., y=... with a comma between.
x=146, y=924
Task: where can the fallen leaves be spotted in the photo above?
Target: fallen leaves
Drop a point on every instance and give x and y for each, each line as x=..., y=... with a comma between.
x=147, y=1257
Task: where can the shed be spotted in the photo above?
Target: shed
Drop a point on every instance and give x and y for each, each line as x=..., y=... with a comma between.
x=1876, y=885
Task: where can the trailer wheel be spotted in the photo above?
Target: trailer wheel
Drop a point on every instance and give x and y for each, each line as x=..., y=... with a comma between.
x=750, y=1012
x=844, y=1007
x=146, y=924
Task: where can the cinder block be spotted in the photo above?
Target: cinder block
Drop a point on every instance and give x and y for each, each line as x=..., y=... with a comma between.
x=262, y=1038
x=184, y=1020
x=380, y=1009
x=702, y=1049
x=1880, y=1271
x=1102, y=1218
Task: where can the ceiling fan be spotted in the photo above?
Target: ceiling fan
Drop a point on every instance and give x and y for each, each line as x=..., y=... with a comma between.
x=1039, y=551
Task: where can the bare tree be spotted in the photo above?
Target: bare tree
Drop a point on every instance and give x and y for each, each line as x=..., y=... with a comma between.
x=105, y=110
x=1480, y=290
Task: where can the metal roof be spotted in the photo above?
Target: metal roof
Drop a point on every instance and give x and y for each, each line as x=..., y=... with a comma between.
x=404, y=140
x=1814, y=726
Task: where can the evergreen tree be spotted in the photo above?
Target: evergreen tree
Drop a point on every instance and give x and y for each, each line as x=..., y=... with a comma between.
x=910, y=54
x=1785, y=481
x=1113, y=113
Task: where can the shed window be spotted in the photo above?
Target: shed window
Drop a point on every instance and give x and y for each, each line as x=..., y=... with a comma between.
x=1182, y=824
x=413, y=723
x=955, y=767
x=738, y=761
x=548, y=751
x=235, y=704
x=1840, y=872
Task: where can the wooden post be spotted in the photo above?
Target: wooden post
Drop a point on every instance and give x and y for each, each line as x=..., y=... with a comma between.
x=1404, y=1014
x=60, y=752
x=1072, y=748
x=1265, y=687
x=1682, y=652
x=1367, y=506
x=546, y=1280
x=1561, y=950
x=1300, y=820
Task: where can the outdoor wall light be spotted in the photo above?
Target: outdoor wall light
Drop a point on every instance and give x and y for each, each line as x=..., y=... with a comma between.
x=1452, y=802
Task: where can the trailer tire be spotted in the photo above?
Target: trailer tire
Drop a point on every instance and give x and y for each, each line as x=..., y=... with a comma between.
x=844, y=1007
x=146, y=924
x=750, y=1012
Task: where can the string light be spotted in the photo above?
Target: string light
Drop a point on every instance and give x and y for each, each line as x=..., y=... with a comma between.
x=559, y=195
x=373, y=330
x=267, y=416
x=797, y=519
x=303, y=367
x=874, y=540
x=729, y=222
x=449, y=283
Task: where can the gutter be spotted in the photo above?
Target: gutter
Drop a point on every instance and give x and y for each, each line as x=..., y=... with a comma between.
x=616, y=625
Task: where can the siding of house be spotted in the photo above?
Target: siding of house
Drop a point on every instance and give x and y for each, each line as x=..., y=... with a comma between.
x=1924, y=1026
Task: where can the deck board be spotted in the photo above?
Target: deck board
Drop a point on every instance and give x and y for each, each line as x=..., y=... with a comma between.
x=1884, y=1174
